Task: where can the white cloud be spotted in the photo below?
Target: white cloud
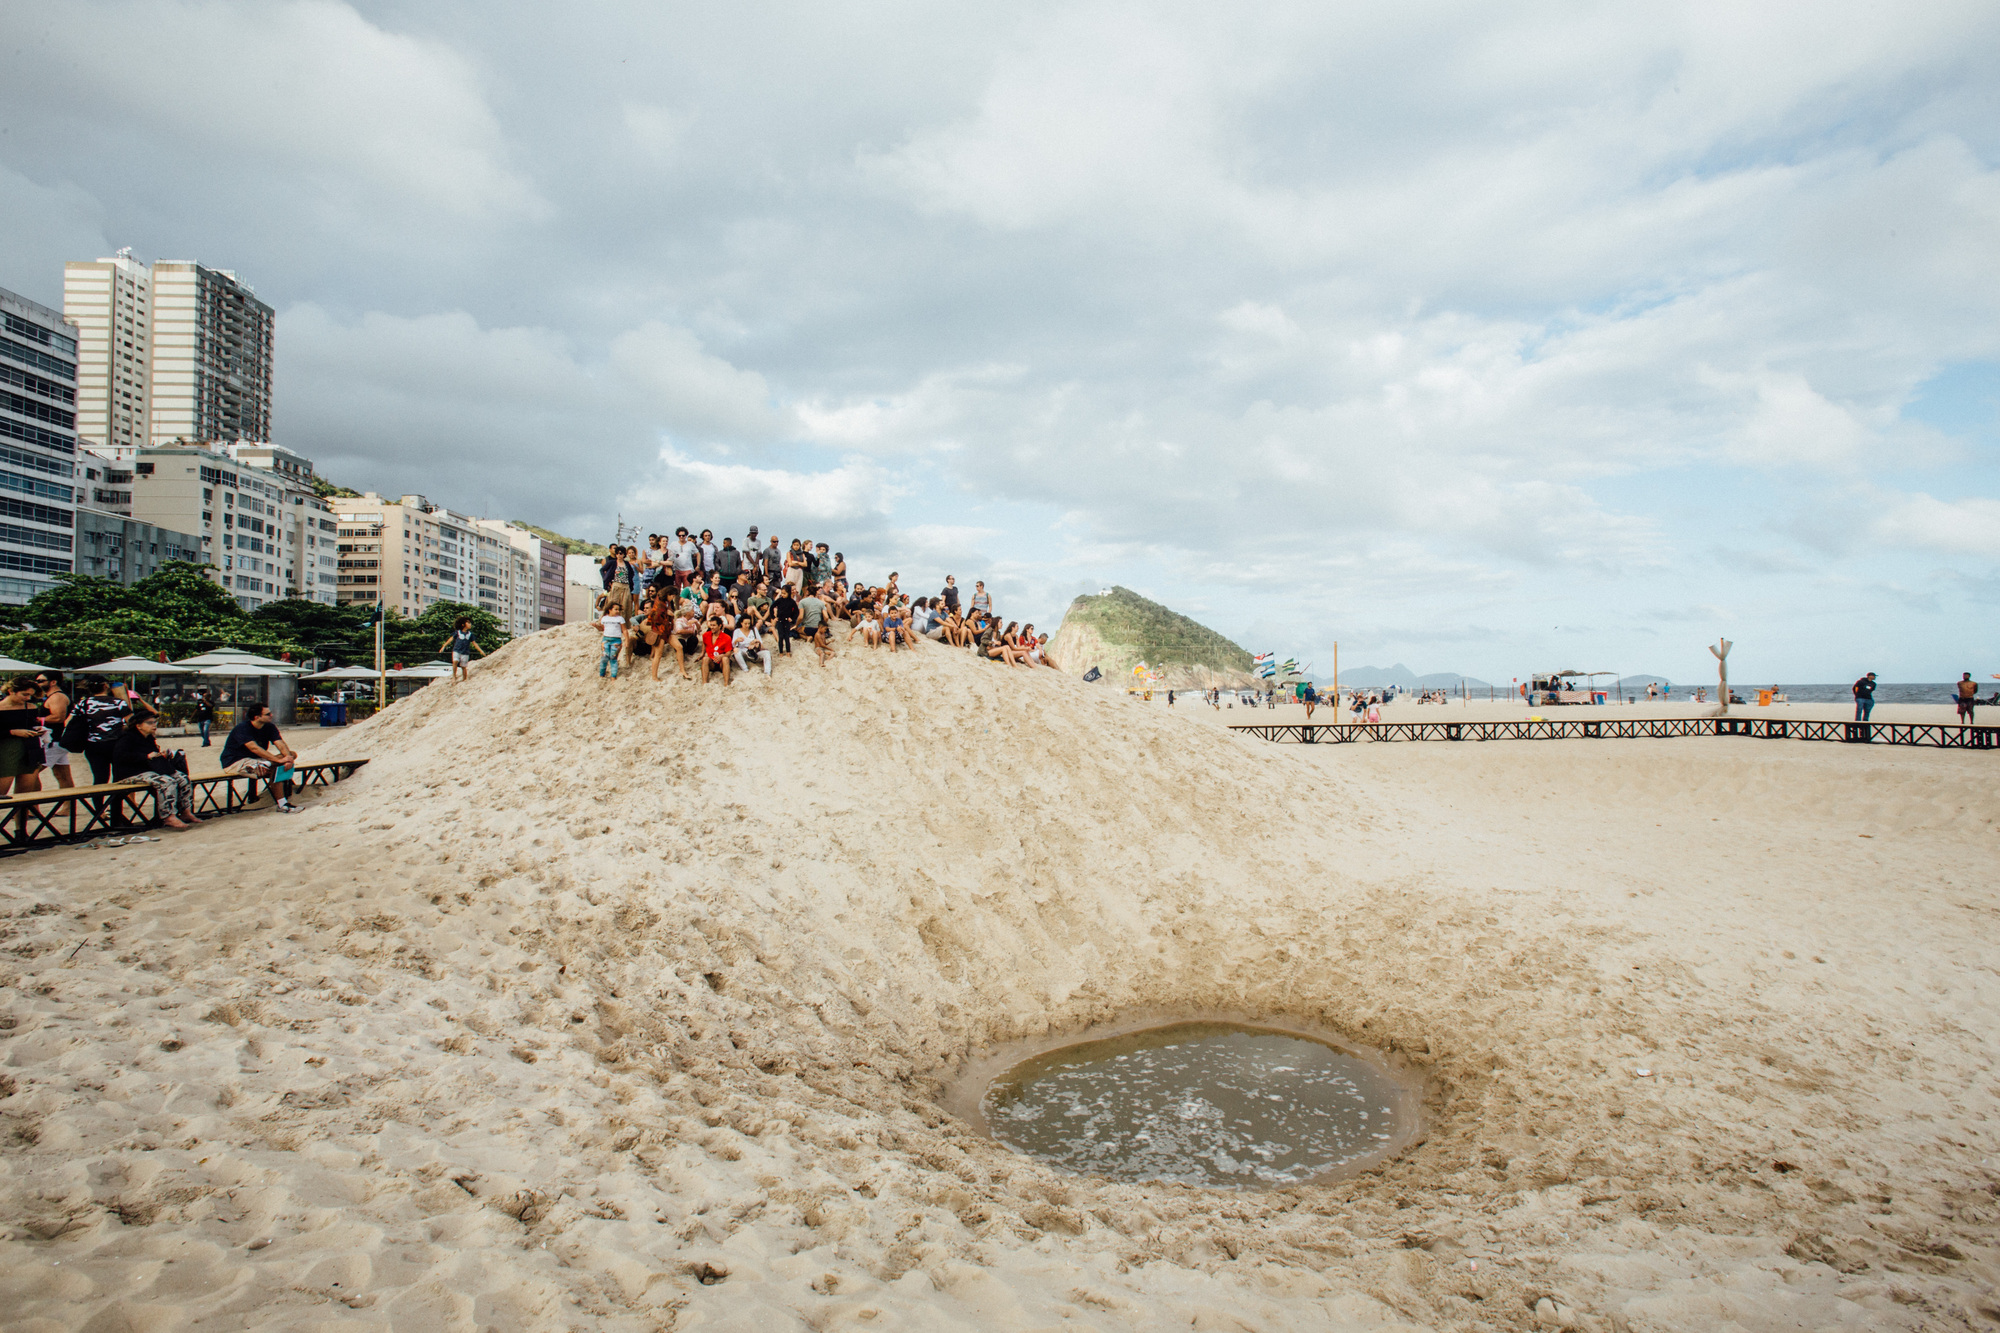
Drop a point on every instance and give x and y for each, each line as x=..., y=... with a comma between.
x=307, y=88
x=1354, y=320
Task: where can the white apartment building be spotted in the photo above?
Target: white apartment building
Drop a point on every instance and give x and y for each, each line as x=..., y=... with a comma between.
x=261, y=533
x=510, y=569
x=38, y=356
x=211, y=364
x=411, y=554
x=312, y=563
x=111, y=303
x=407, y=552
x=168, y=352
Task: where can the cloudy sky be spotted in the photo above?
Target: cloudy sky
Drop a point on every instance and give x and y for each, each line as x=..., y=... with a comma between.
x=1483, y=338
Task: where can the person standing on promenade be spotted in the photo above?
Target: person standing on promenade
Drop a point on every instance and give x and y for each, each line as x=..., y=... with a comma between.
x=20, y=738
x=1968, y=695
x=1864, y=697
x=204, y=714
x=55, y=715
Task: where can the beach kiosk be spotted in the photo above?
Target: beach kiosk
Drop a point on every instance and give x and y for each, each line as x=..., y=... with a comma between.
x=1569, y=687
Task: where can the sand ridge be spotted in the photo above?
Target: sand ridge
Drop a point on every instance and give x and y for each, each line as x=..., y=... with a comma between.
x=608, y=1004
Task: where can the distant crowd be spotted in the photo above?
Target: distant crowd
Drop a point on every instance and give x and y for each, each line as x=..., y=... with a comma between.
x=720, y=608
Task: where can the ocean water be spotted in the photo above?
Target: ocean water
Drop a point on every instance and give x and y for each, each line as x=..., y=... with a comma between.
x=1885, y=692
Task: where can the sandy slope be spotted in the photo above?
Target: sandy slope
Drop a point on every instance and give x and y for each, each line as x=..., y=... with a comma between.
x=584, y=991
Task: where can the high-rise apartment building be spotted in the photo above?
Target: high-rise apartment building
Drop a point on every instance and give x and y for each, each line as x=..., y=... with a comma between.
x=38, y=379
x=111, y=303
x=311, y=546
x=170, y=351
x=263, y=533
x=407, y=552
x=527, y=570
x=411, y=554
x=211, y=356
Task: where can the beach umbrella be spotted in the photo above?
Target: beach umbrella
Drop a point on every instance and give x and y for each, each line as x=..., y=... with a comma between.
x=345, y=673
x=135, y=666
x=242, y=669
x=238, y=657
x=427, y=671
x=12, y=665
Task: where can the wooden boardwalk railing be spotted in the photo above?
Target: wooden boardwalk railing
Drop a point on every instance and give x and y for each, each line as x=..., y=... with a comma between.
x=77, y=814
x=1850, y=733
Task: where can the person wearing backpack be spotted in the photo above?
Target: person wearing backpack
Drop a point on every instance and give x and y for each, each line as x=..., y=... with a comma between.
x=95, y=725
x=729, y=562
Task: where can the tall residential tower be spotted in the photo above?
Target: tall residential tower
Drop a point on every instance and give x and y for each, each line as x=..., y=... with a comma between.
x=169, y=352
x=37, y=447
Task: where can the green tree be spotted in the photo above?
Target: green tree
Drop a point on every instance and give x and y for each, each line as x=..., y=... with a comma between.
x=339, y=632
x=413, y=641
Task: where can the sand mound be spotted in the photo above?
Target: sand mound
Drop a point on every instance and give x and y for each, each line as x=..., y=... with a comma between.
x=623, y=1005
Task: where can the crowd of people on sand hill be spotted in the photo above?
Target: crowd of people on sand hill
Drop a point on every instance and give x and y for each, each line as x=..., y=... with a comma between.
x=724, y=608
x=45, y=725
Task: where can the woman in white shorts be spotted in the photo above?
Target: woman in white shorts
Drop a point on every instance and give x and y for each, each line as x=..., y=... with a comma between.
x=55, y=715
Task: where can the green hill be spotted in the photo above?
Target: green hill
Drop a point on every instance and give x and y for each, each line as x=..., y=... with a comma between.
x=570, y=545
x=1117, y=630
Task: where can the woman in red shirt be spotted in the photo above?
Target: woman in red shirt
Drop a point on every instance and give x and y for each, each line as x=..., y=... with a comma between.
x=716, y=645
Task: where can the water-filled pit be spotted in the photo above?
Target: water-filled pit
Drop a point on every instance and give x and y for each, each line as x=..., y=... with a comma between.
x=1203, y=1103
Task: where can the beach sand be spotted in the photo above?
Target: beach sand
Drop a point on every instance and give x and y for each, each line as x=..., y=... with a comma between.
x=614, y=1005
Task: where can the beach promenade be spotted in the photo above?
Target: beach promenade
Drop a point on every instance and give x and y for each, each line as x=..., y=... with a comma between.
x=608, y=1004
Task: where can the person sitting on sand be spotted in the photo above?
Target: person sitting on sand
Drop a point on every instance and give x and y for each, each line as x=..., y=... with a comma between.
x=718, y=649
x=686, y=637
x=862, y=621
x=139, y=754
x=894, y=629
x=813, y=617
x=658, y=626
x=748, y=646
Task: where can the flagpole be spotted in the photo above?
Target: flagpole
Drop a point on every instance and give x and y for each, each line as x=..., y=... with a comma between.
x=1336, y=670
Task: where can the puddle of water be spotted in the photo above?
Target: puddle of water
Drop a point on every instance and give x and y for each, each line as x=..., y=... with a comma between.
x=1212, y=1104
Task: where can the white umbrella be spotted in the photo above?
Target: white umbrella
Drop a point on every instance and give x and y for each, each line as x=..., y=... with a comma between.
x=135, y=666
x=15, y=664
x=238, y=657
x=344, y=673
x=427, y=671
x=241, y=669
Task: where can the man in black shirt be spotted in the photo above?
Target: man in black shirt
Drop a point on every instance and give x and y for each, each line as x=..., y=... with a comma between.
x=256, y=747
x=1864, y=697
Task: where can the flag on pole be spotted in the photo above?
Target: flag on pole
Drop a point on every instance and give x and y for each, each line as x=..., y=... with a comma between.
x=1265, y=659
x=1289, y=666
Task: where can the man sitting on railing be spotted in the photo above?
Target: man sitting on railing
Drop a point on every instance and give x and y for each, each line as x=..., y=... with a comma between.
x=257, y=748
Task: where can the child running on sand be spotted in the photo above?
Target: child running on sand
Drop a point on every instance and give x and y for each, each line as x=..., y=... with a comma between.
x=611, y=625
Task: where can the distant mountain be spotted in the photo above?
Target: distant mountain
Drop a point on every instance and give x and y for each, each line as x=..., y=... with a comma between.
x=1374, y=677
x=1117, y=630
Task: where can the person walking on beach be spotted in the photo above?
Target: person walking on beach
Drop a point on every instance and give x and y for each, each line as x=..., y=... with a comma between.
x=1968, y=696
x=462, y=646
x=204, y=714
x=1864, y=697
